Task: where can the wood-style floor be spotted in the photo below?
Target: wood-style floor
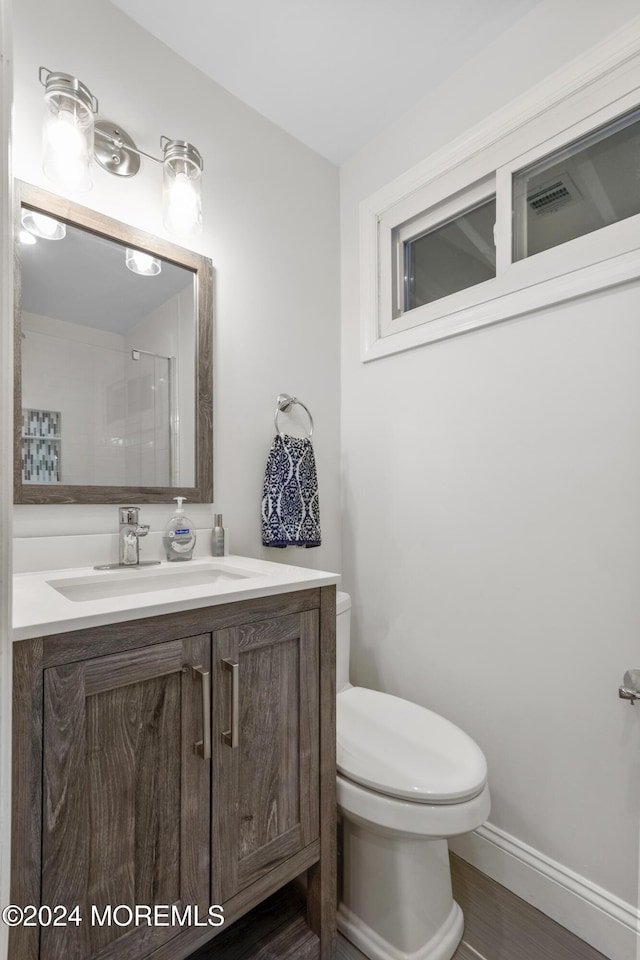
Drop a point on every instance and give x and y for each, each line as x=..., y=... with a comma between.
x=500, y=926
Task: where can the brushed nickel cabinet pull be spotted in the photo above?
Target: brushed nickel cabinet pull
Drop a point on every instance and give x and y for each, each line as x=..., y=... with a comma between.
x=232, y=737
x=203, y=747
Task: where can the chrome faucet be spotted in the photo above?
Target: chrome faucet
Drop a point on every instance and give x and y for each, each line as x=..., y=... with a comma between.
x=129, y=536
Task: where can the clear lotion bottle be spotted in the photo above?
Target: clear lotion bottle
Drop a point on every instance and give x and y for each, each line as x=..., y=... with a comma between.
x=179, y=537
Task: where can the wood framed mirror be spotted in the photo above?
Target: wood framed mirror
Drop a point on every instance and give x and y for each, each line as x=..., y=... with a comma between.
x=113, y=360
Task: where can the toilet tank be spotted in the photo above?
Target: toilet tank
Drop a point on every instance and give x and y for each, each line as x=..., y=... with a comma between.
x=343, y=639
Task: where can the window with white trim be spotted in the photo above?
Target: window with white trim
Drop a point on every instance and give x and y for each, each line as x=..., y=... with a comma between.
x=542, y=212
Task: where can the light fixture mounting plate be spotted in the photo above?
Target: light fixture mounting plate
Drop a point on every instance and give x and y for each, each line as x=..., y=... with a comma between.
x=111, y=150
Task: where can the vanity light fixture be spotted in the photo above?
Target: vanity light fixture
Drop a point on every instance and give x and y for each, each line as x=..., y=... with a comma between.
x=181, y=186
x=142, y=263
x=72, y=139
x=68, y=130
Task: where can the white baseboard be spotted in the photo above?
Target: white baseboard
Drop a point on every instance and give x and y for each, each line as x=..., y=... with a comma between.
x=601, y=919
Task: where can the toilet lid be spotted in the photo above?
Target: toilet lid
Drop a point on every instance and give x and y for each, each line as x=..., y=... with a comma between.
x=404, y=750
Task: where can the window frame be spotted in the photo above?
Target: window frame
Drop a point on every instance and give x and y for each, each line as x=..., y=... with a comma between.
x=604, y=243
x=427, y=221
x=574, y=103
x=594, y=134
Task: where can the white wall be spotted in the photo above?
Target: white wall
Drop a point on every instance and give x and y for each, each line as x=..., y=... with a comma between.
x=271, y=230
x=491, y=514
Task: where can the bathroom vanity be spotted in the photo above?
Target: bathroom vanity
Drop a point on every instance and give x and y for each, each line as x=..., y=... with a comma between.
x=173, y=725
x=171, y=746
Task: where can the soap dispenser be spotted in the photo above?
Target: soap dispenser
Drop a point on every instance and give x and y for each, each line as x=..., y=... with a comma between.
x=180, y=537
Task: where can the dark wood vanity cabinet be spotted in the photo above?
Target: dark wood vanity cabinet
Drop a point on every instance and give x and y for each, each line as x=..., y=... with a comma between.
x=125, y=798
x=265, y=795
x=186, y=759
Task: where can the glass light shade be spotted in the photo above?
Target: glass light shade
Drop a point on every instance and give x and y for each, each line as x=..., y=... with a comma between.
x=43, y=226
x=68, y=132
x=27, y=238
x=142, y=263
x=182, y=188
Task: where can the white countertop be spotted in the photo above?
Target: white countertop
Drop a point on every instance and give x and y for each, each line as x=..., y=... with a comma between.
x=40, y=609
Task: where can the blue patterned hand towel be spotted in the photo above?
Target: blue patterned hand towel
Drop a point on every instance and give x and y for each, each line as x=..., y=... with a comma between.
x=290, y=506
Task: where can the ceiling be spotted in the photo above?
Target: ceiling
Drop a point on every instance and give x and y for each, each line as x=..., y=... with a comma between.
x=332, y=73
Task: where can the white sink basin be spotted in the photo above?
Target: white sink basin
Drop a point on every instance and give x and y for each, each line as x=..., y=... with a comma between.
x=126, y=581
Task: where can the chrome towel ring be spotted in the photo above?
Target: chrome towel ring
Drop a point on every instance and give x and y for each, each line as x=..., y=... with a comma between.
x=284, y=402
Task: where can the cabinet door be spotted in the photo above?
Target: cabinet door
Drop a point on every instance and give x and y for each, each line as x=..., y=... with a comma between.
x=126, y=795
x=265, y=787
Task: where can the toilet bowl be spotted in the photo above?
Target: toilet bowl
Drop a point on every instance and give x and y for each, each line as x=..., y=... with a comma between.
x=407, y=780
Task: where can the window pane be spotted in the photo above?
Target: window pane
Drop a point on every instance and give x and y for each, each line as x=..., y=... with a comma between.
x=451, y=257
x=586, y=186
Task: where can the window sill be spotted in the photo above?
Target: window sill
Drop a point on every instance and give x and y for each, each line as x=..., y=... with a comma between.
x=398, y=337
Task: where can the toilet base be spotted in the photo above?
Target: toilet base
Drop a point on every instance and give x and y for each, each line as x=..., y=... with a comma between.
x=441, y=946
x=397, y=902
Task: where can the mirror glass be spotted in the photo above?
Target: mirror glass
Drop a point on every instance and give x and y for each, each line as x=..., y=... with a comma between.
x=111, y=374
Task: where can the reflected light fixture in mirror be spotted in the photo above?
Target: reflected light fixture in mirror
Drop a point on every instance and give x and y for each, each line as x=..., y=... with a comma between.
x=39, y=225
x=72, y=138
x=142, y=263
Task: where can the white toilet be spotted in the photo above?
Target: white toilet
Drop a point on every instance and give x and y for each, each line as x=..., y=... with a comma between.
x=407, y=780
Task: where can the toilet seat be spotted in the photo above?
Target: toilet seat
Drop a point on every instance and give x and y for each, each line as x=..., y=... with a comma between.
x=389, y=816
x=402, y=750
